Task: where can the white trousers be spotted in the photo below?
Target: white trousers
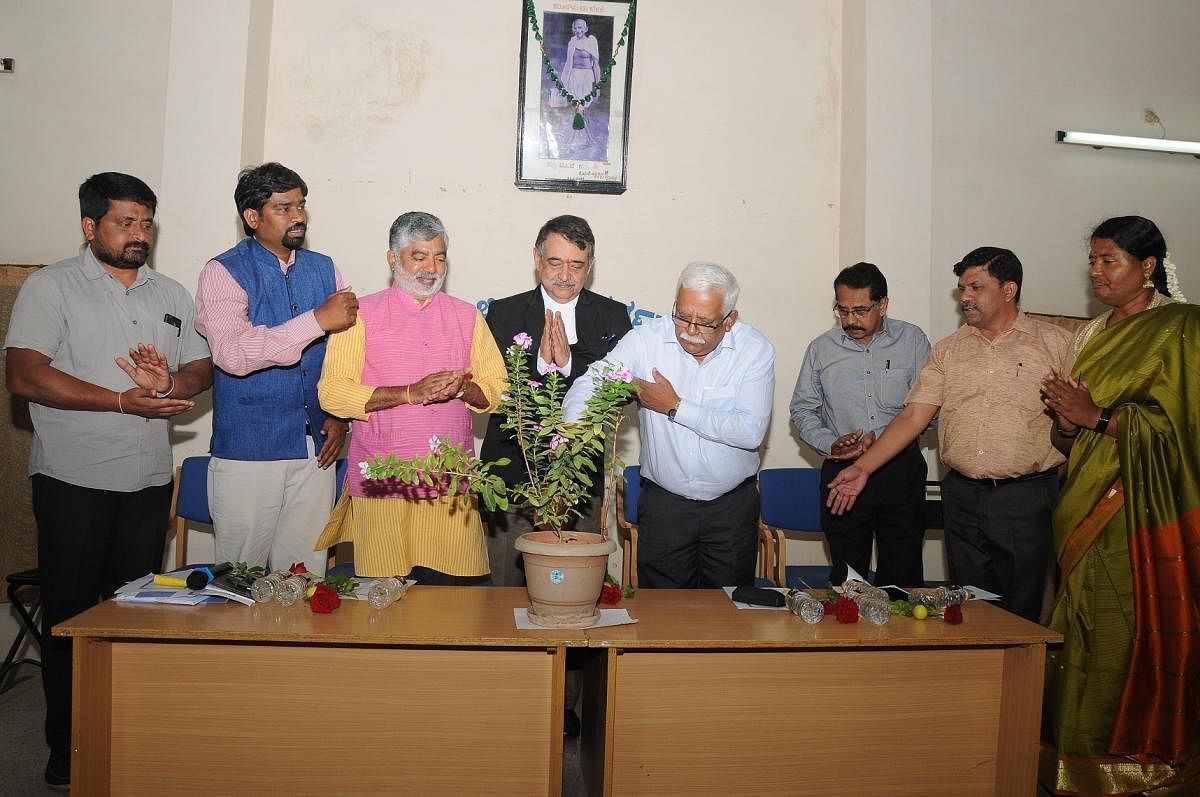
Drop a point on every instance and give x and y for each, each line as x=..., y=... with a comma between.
x=270, y=513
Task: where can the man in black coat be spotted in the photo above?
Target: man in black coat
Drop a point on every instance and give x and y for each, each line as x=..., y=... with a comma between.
x=571, y=328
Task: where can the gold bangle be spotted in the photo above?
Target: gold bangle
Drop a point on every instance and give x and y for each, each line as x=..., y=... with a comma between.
x=408, y=394
x=119, y=407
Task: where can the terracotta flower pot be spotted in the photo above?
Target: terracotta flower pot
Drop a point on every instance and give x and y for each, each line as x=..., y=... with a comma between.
x=564, y=578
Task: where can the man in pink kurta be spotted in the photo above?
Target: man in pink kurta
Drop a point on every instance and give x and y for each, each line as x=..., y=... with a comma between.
x=413, y=367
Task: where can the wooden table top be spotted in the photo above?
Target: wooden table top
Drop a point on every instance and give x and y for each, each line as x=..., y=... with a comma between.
x=430, y=616
x=708, y=619
x=483, y=617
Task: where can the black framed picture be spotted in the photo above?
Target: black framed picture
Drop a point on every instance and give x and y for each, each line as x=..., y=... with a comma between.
x=575, y=79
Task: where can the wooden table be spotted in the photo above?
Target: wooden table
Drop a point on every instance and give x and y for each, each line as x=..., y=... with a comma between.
x=440, y=694
x=702, y=698
x=437, y=694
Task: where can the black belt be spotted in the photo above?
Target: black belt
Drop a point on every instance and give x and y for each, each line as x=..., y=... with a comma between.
x=1011, y=480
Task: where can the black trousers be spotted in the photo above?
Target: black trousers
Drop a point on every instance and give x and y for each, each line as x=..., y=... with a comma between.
x=89, y=543
x=999, y=537
x=688, y=544
x=891, y=511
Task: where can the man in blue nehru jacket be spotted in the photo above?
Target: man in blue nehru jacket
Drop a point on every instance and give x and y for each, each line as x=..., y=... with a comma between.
x=266, y=307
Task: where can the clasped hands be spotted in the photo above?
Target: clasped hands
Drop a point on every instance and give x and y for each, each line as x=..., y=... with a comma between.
x=1071, y=402
x=149, y=370
x=438, y=387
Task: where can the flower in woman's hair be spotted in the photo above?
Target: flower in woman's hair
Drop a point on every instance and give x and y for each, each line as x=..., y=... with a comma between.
x=324, y=599
x=434, y=442
x=523, y=340
x=557, y=441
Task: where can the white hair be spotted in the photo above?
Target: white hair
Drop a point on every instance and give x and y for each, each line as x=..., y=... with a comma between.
x=707, y=277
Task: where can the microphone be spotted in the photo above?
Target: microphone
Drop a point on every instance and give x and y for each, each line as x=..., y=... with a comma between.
x=200, y=576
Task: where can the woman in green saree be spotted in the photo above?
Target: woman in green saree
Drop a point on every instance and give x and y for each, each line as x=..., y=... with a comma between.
x=1122, y=702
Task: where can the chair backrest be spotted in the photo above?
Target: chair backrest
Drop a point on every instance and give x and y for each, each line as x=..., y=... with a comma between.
x=193, y=490
x=633, y=488
x=791, y=498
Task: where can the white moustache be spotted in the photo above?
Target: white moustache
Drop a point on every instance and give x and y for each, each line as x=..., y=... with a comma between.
x=684, y=336
x=564, y=284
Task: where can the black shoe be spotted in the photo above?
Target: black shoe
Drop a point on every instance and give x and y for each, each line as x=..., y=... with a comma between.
x=570, y=723
x=58, y=770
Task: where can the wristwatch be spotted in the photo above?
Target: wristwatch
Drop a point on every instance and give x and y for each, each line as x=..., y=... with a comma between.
x=671, y=412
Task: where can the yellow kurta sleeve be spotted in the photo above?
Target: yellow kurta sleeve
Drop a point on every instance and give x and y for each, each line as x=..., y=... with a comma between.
x=487, y=366
x=340, y=388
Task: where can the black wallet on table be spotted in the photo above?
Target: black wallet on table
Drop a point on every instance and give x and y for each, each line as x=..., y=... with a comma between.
x=758, y=596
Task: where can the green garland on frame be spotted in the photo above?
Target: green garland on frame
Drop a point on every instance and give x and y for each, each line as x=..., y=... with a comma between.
x=579, y=102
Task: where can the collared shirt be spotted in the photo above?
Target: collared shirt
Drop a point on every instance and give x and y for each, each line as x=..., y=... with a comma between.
x=712, y=445
x=845, y=386
x=567, y=311
x=992, y=422
x=78, y=315
x=238, y=347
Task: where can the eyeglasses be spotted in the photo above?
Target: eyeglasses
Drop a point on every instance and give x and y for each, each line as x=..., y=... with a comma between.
x=703, y=327
x=857, y=312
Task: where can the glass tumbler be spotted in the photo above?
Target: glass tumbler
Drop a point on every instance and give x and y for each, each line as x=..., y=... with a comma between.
x=263, y=589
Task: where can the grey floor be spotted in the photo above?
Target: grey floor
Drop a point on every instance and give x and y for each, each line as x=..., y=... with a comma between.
x=23, y=750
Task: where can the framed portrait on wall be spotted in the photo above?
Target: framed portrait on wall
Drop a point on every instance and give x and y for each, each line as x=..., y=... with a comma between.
x=575, y=79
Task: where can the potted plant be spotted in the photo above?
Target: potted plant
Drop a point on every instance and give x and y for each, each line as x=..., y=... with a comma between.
x=564, y=570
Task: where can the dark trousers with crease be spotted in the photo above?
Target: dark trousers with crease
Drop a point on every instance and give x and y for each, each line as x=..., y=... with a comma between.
x=89, y=543
x=891, y=512
x=689, y=544
x=999, y=537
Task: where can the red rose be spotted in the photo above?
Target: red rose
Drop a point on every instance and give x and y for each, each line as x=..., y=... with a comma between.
x=325, y=599
x=846, y=610
x=610, y=595
x=953, y=614
x=298, y=568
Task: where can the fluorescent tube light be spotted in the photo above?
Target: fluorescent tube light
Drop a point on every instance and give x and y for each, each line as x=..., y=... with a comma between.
x=1100, y=140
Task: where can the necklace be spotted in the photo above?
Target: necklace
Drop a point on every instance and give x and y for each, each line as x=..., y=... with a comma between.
x=578, y=102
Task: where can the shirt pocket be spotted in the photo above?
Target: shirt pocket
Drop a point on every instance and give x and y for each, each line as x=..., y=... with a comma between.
x=718, y=398
x=894, y=388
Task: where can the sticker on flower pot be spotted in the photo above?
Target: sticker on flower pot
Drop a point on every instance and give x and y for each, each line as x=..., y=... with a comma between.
x=556, y=576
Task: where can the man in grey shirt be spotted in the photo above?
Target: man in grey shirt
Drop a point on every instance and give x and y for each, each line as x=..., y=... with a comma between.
x=105, y=350
x=854, y=380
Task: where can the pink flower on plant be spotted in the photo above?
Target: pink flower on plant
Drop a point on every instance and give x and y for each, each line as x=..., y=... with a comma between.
x=623, y=375
x=532, y=383
x=557, y=441
x=551, y=368
x=523, y=340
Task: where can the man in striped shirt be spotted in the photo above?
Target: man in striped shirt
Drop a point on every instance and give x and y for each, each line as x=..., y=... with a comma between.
x=266, y=307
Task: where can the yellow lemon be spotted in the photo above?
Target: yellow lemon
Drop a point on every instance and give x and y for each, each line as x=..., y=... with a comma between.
x=920, y=612
x=313, y=588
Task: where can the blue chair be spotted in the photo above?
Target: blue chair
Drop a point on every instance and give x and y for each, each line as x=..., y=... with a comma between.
x=190, y=499
x=627, y=530
x=190, y=502
x=791, y=501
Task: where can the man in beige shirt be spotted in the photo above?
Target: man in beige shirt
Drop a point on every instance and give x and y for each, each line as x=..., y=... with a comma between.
x=993, y=433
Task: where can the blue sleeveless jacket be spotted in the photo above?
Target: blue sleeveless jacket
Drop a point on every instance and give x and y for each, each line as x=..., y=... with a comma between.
x=266, y=415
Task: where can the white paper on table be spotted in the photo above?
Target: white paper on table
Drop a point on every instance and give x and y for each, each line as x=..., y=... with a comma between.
x=607, y=617
x=982, y=594
x=740, y=605
x=364, y=584
x=143, y=590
